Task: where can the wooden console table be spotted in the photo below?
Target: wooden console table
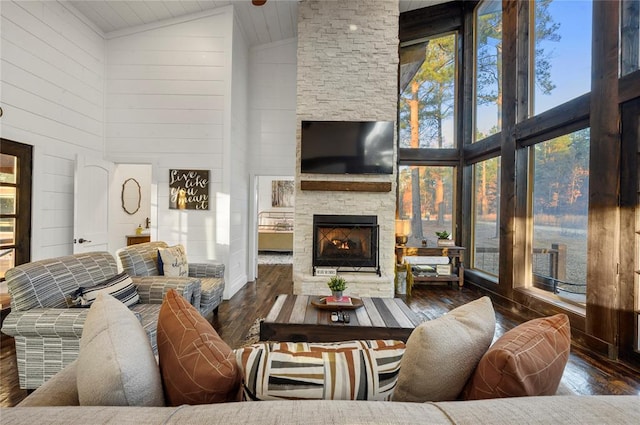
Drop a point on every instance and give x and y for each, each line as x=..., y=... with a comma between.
x=455, y=254
x=136, y=239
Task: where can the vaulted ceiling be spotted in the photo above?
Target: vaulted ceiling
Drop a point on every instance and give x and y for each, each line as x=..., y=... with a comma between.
x=275, y=20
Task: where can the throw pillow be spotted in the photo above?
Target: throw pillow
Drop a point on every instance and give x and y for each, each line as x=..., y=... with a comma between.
x=172, y=261
x=120, y=286
x=442, y=353
x=116, y=364
x=528, y=360
x=196, y=365
x=354, y=370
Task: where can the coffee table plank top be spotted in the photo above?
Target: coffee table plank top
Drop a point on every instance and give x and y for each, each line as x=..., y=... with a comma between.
x=294, y=318
x=299, y=309
x=363, y=317
x=398, y=314
x=275, y=310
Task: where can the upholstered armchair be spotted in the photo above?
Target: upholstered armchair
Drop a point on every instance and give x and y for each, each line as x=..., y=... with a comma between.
x=47, y=331
x=141, y=262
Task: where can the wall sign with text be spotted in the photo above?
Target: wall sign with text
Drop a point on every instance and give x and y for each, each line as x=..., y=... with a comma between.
x=189, y=189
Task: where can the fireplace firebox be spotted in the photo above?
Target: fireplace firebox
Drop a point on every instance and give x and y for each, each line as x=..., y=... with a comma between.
x=346, y=243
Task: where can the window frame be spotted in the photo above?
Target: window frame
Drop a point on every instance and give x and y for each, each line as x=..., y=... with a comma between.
x=23, y=185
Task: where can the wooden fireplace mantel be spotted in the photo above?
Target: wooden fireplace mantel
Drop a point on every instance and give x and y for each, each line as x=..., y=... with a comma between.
x=340, y=186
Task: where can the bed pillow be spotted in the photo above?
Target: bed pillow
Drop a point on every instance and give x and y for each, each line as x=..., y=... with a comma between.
x=442, y=354
x=172, y=261
x=528, y=360
x=353, y=370
x=196, y=365
x=116, y=365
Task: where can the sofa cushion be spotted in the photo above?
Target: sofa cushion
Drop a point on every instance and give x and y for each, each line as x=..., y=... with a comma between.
x=527, y=360
x=116, y=365
x=172, y=261
x=442, y=353
x=120, y=287
x=197, y=366
x=353, y=370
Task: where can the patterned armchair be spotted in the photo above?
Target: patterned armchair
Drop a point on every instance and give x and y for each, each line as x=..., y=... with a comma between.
x=47, y=332
x=141, y=262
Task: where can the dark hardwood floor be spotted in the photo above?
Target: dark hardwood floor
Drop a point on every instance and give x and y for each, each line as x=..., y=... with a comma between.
x=586, y=373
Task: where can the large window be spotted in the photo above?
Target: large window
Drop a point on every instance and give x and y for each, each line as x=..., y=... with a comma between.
x=427, y=103
x=560, y=208
x=562, y=51
x=488, y=75
x=425, y=198
x=486, y=236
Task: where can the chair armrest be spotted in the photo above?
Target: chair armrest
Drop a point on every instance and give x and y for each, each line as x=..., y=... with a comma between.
x=46, y=322
x=206, y=270
x=152, y=289
x=60, y=390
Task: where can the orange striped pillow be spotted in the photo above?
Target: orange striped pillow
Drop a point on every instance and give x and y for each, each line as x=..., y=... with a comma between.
x=351, y=370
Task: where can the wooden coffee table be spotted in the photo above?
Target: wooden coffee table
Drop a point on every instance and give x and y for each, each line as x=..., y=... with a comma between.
x=294, y=318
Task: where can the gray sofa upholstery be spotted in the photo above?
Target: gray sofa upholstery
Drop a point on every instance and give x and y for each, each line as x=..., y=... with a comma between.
x=57, y=400
x=47, y=333
x=141, y=262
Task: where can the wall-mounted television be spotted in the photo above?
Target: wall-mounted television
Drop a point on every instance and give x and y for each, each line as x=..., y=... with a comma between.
x=347, y=147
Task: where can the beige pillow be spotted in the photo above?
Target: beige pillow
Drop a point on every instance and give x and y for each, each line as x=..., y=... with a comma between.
x=442, y=354
x=172, y=261
x=116, y=365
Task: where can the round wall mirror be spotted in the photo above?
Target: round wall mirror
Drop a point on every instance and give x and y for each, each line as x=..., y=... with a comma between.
x=131, y=196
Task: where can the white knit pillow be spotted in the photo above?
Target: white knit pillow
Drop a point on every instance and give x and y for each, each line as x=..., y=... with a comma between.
x=442, y=354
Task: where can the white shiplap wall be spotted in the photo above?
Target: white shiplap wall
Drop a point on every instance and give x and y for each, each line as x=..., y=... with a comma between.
x=52, y=86
x=237, y=166
x=168, y=104
x=272, y=108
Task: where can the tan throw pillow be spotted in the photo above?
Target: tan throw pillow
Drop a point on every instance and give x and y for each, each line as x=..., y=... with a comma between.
x=527, y=360
x=116, y=365
x=196, y=365
x=172, y=261
x=441, y=354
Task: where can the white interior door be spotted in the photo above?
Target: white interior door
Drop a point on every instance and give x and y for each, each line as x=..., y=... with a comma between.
x=92, y=190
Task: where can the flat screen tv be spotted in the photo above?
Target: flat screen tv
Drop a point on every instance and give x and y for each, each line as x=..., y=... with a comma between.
x=347, y=147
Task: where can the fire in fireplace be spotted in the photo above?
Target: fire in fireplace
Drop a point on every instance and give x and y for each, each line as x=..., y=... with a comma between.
x=346, y=242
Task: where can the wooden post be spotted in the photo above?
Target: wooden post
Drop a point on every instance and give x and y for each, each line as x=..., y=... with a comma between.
x=604, y=184
x=560, y=260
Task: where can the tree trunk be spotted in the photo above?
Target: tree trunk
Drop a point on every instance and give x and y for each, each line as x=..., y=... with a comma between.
x=416, y=219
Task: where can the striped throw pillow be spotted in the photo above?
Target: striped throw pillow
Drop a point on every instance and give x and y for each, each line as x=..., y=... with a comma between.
x=119, y=286
x=353, y=370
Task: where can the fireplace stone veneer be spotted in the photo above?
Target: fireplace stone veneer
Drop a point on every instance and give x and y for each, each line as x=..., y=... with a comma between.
x=346, y=243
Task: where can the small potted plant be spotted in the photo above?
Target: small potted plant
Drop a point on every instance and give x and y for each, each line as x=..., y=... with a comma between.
x=337, y=284
x=443, y=238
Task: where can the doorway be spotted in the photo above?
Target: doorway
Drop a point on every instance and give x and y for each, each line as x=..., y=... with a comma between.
x=274, y=202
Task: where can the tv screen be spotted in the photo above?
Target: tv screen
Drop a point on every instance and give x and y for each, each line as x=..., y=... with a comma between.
x=347, y=147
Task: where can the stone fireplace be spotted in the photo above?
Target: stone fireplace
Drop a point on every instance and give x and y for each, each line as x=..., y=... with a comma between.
x=347, y=66
x=346, y=243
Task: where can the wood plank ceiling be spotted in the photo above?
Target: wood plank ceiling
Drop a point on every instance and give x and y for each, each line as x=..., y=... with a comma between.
x=275, y=20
